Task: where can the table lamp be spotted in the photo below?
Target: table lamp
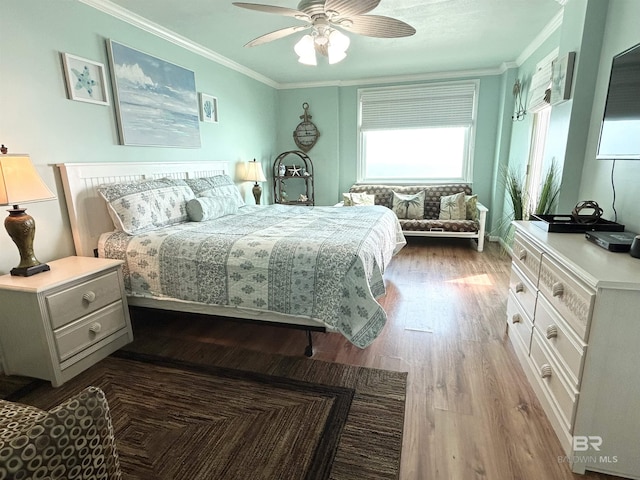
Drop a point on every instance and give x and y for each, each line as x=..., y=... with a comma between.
x=254, y=173
x=20, y=183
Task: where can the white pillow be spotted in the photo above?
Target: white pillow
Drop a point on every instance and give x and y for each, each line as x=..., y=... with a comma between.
x=207, y=208
x=471, y=203
x=452, y=207
x=139, y=207
x=216, y=186
x=408, y=206
x=357, y=199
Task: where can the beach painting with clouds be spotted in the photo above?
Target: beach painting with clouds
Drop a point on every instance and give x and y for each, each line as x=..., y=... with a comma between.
x=156, y=101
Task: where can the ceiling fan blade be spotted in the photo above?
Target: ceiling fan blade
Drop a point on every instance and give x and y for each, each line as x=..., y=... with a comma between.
x=377, y=26
x=349, y=8
x=269, y=37
x=289, y=12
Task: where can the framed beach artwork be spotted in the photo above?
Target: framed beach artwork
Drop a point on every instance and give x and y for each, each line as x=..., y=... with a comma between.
x=156, y=101
x=208, y=108
x=86, y=80
x=561, y=78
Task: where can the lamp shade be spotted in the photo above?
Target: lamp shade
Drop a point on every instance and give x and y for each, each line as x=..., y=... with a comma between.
x=19, y=181
x=253, y=172
x=305, y=49
x=338, y=44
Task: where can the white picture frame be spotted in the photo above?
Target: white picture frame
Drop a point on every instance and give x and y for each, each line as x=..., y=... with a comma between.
x=208, y=108
x=86, y=80
x=561, y=78
x=156, y=101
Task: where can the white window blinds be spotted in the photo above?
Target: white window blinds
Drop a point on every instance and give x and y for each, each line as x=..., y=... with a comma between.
x=436, y=105
x=539, y=97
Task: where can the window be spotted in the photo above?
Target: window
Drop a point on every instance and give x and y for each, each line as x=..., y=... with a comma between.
x=536, y=156
x=418, y=133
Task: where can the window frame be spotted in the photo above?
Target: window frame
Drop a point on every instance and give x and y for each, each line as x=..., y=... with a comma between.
x=468, y=161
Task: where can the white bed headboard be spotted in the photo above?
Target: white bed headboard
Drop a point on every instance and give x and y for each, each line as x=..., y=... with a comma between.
x=87, y=209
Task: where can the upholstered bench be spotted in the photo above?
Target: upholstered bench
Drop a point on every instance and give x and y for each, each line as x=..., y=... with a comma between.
x=443, y=211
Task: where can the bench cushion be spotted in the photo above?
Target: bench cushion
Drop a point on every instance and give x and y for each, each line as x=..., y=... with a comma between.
x=439, y=225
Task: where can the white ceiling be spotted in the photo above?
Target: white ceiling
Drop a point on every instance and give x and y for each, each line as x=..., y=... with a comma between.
x=451, y=35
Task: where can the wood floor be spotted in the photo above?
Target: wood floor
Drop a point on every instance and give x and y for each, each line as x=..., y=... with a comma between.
x=470, y=413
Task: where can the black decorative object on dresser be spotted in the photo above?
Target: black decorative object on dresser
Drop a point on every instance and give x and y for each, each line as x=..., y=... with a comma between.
x=293, y=179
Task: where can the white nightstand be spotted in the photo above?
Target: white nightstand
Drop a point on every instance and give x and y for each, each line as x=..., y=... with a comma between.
x=56, y=324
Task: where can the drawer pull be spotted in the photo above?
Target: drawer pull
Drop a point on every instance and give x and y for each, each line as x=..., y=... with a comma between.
x=552, y=331
x=519, y=287
x=89, y=296
x=516, y=318
x=545, y=371
x=95, y=327
x=522, y=255
x=557, y=289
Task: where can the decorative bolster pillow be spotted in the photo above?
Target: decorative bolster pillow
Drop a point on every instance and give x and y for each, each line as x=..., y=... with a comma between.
x=202, y=209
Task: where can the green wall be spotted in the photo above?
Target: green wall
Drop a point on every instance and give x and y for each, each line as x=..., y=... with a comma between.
x=334, y=111
x=596, y=30
x=257, y=121
x=621, y=33
x=37, y=118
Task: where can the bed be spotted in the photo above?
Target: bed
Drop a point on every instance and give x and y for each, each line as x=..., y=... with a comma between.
x=317, y=268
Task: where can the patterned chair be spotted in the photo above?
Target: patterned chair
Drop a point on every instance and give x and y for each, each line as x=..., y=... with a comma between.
x=72, y=441
x=472, y=226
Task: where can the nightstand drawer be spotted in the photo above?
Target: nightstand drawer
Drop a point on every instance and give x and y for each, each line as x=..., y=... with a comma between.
x=570, y=297
x=82, y=299
x=527, y=257
x=77, y=336
x=523, y=290
x=550, y=376
x=561, y=339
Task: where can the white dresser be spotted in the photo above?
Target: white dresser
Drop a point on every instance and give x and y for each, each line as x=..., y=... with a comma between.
x=56, y=324
x=573, y=317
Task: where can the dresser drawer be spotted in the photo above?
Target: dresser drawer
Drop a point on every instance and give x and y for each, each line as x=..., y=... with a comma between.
x=77, y=336
x=523, y=290
x=82, y=299
x=562, y=395
x=527, y=257
x=561, y=339
x=570, y=297
x=519, y=322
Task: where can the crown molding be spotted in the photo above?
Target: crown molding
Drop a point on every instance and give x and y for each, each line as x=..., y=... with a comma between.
x=142, y=23
x=546, y=32
x=403, y=78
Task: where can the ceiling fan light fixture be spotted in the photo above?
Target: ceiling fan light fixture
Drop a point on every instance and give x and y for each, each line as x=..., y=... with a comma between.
x=305, y=50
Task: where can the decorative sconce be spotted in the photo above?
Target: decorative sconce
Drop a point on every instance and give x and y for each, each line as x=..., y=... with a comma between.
x=519, y=112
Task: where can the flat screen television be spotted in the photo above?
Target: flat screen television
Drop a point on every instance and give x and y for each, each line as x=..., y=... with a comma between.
x=620, y=130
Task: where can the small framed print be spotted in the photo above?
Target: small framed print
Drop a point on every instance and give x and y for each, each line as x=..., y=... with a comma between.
x=86, y=80
x=561, y=77
x=208, y=108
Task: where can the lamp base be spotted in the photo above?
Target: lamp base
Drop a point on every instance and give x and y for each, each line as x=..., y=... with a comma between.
x=21, y=227
x=28, y=271
x=257, y=193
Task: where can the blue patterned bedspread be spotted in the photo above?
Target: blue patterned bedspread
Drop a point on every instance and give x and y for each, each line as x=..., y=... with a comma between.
x=321, y=262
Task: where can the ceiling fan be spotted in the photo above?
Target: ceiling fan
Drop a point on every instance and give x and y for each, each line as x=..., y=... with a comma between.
x=326, y=18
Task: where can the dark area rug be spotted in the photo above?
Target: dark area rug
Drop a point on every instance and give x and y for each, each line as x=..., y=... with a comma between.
x=204, y=411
